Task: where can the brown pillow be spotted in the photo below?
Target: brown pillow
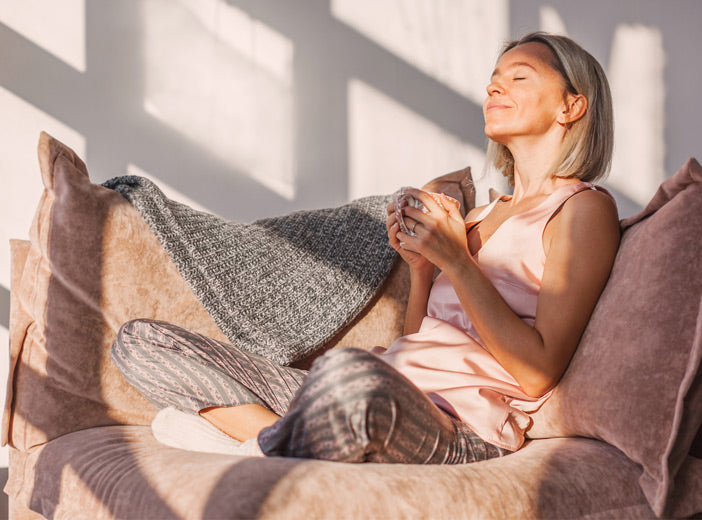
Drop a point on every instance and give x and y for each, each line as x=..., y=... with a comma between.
x=459, y=185
x=92, y=265
x=634, y=380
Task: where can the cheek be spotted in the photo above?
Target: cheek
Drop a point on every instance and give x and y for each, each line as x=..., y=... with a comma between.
x=551, y=103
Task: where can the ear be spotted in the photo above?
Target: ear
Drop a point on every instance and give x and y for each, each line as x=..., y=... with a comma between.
x=574, y=108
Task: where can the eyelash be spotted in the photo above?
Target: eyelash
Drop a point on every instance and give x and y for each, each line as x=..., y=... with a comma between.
x=515, y=79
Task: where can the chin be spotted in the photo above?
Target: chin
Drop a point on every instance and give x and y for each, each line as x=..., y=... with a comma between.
x=498, y=137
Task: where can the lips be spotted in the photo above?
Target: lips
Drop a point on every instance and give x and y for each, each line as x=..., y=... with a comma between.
x=495, y=106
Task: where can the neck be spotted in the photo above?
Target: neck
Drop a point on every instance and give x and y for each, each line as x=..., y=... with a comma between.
x=534, y=162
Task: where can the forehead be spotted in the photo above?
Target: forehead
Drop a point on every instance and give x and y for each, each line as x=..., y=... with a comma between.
x=536, y=54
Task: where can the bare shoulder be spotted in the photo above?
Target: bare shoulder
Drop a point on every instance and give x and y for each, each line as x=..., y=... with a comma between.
x=586, y=217
x=591, y=206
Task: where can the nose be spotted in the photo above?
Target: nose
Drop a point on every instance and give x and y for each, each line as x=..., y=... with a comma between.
x=494, y=87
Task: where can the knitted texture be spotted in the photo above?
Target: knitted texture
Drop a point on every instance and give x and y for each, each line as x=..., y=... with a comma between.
x=280, y=286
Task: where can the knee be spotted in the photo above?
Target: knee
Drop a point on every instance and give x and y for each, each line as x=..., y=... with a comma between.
x=133, y=329
x=347, y=392
x=132, y=336
x=344, y=357
x=346, y=360
x=348, y=372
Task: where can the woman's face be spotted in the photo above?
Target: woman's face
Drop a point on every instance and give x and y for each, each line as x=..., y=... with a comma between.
x=526, y=95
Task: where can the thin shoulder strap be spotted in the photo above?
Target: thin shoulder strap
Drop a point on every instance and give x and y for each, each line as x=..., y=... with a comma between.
x=586, y=186
x=484, y=213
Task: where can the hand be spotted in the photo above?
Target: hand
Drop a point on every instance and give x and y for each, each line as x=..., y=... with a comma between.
x=415, y=261
x=440, y=233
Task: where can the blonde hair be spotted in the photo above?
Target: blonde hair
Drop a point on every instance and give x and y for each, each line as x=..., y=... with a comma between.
x=586, y=152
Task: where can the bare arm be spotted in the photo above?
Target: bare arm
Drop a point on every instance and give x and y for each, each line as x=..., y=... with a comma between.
x=580, y=242
x=421, y=277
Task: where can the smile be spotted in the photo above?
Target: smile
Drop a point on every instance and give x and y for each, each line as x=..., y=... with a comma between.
x=495, y=106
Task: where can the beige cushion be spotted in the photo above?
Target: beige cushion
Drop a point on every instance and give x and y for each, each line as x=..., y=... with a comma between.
x=635, y=381
x=92, y=264
x=139, y=478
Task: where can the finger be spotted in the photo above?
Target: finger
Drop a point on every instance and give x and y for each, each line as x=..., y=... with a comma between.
x=407, y=242
x=452, y=208
x=409, y=223
x=393, y=239
x=416, y=215
x=406, y=236
x=392, y=230
x=393, y=218
x=426, y=199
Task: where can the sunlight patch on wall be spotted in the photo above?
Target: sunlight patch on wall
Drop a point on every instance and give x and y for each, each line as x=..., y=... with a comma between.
x=19, y=168
x=57, y=27
x=390, y=146
x=454, y=41
x=550, y=21
x=224, y=80
x=636, y=75
x=638, y=92
x=168, y=191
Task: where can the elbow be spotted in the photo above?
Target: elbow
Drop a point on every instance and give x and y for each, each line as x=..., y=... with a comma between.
x=544, y=371
x=538, y=384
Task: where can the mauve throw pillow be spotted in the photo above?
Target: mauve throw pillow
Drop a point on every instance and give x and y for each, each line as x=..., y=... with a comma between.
x=634, y=380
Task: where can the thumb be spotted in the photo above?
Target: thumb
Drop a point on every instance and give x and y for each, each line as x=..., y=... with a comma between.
x=452, y=207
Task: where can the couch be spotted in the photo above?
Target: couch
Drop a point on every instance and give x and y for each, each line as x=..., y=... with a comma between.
x=619, y=438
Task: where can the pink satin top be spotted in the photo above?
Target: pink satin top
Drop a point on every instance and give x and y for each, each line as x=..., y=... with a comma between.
x=446, y=358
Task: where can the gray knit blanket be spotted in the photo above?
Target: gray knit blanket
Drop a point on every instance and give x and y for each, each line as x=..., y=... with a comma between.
x=282, y=286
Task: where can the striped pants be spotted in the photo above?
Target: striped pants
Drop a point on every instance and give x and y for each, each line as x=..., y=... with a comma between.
x=351, y=406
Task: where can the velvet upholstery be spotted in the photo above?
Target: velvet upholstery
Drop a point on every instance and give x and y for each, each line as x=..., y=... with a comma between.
x=634, y=380
x=122, y=472
x=92, y=265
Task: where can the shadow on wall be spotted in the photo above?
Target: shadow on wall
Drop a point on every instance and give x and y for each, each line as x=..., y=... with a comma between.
x=253, y=109
x=150, y=107
x=4, y=307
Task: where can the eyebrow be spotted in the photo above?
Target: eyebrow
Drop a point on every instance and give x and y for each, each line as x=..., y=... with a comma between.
x=514, y=65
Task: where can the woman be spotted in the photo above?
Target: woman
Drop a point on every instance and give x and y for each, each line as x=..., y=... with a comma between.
x=484, y=342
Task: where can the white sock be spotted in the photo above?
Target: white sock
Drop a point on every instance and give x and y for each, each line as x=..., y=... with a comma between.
x=195, y=433
x=250, y=448
x=190, y=432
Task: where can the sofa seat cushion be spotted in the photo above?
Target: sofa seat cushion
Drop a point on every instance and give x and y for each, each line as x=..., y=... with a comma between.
x=123, y=472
